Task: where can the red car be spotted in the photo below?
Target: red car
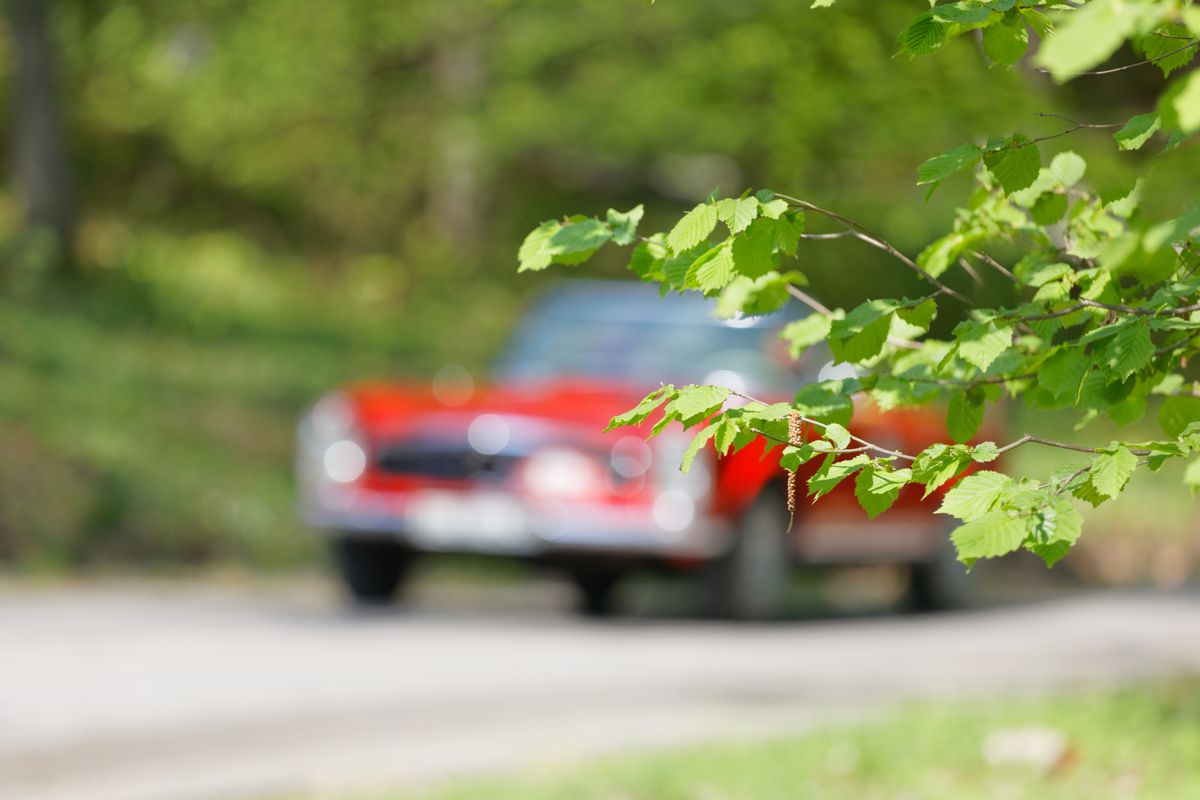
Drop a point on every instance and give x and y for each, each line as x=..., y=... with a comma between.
x=523, y=469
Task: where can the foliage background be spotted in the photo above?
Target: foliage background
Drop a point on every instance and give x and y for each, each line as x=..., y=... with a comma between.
x=279, y=197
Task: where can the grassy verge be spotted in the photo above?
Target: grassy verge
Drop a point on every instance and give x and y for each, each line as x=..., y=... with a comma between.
x=1142, y=743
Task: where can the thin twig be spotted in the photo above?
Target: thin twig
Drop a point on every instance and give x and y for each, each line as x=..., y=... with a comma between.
x=994, y=264
x=862, y=233
x=1135, y=64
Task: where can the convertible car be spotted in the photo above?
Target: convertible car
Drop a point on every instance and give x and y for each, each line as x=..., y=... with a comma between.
x=522, y=468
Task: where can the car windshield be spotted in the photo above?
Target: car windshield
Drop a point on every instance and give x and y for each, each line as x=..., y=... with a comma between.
x=626, y=332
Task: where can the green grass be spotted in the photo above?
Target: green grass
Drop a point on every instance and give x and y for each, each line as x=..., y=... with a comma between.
x=1142, y=743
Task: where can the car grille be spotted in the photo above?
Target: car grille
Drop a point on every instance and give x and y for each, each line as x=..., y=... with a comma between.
x=442, y=463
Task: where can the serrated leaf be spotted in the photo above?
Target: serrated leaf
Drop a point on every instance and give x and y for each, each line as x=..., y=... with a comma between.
x=1063, y=372
x=796, y=456
x=985, y=452
x=993, y=534
x=1086, y=37
x=804, y=333
x=1006, y=42
x=920, y=315
x=1176, y=413
x=643, y=409
x=1015, y=165
x=877, y=488
x=624, y=224
x=1068, y=168
x=536, y=253
x=773, y=207
x=964, y=12
x=694, y=228
x=1111, y=471
x=832, y=472
x=981, y=343
x=737, y=214
x=1137, y=131
x=1165, y=48
x=693, y=403
x=862, y=333
x=716, y=271
x=838, y=435
x=923, y=35
x=975, y=495
x=964, y=415
x=695, y=446
x=754, y=250
x=582, y=236
x=1129, y=350
x=944, y=165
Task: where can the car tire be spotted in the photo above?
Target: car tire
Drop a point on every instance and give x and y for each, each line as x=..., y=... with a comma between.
x=596, y=591
x=752, y=580
x=941, y=583
x=371, y=570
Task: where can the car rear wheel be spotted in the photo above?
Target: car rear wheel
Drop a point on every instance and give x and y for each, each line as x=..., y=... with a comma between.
x=942, y=582
x=751, y=581
x=372, y=570
x=596, y=591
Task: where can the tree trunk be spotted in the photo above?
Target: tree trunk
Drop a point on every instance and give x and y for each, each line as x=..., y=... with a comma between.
x=41, y=171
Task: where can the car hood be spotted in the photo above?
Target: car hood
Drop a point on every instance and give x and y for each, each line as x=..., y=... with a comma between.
x=395, y=409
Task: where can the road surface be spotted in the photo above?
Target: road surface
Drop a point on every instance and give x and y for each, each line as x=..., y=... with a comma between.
x=157, y=691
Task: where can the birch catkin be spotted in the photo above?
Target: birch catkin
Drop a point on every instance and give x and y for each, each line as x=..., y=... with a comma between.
x=795, y=438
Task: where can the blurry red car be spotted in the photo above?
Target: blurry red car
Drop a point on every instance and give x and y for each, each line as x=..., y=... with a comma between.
x=522, y=468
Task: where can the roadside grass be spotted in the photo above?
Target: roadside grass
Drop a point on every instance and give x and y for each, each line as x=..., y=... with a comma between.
x=1132, y=743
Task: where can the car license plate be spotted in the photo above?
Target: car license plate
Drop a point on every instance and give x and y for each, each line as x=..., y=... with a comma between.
x=480, y=521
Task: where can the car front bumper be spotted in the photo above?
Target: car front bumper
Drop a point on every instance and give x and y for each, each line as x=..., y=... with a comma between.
x=500, y=523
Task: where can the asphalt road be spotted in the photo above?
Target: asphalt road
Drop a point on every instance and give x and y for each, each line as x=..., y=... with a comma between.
x=194, y=691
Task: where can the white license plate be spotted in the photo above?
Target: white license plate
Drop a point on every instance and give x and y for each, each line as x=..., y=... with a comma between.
x=480, y=521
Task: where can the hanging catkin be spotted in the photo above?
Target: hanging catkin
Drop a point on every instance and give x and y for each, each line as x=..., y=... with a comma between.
x=795, y=438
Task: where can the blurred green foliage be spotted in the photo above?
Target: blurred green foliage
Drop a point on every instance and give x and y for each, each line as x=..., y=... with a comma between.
x=280, y=196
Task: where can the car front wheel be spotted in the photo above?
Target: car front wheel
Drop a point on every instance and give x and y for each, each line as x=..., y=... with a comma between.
x=751, y=581
x=372, y=570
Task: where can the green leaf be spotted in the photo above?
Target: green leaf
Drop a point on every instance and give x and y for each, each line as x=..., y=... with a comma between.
x=693, y=403
x=726, y=435
x=1086, y=37
x=991, y=535
x=1063, y=372
x=923, y=35
x=788, y=229
x=1185, y=102
x=1176, y=413
x=716, y=271
x=1015, y=165
x=1068, y=167
x=863, y=332
x=964, y=12
x=937, y=257
x=578, y=237
x=1006, y=42
x=877, y=488
x=1130, y=350
x=696, y=445
x=831, y=473
x=948, y=163
x=827, y=401
x=643, y=409
x=754, y=250
x=535, y=252
x=1166, y=48
x=920, y=315
x=737, y=214
x=624, y=224
x=981, y=343
x=1137, y=131
x=964, y=415
x=772, y=207
x=975, y=495
x=693, y=229
x=794, y=457
x=1048, y=208
x=939, y=463
x=838, y=435
x=804, y=333
x=1111, y=471
x=985, y=452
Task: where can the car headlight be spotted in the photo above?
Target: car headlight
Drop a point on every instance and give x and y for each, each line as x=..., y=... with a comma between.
x=330, y=446
x=562, y=472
